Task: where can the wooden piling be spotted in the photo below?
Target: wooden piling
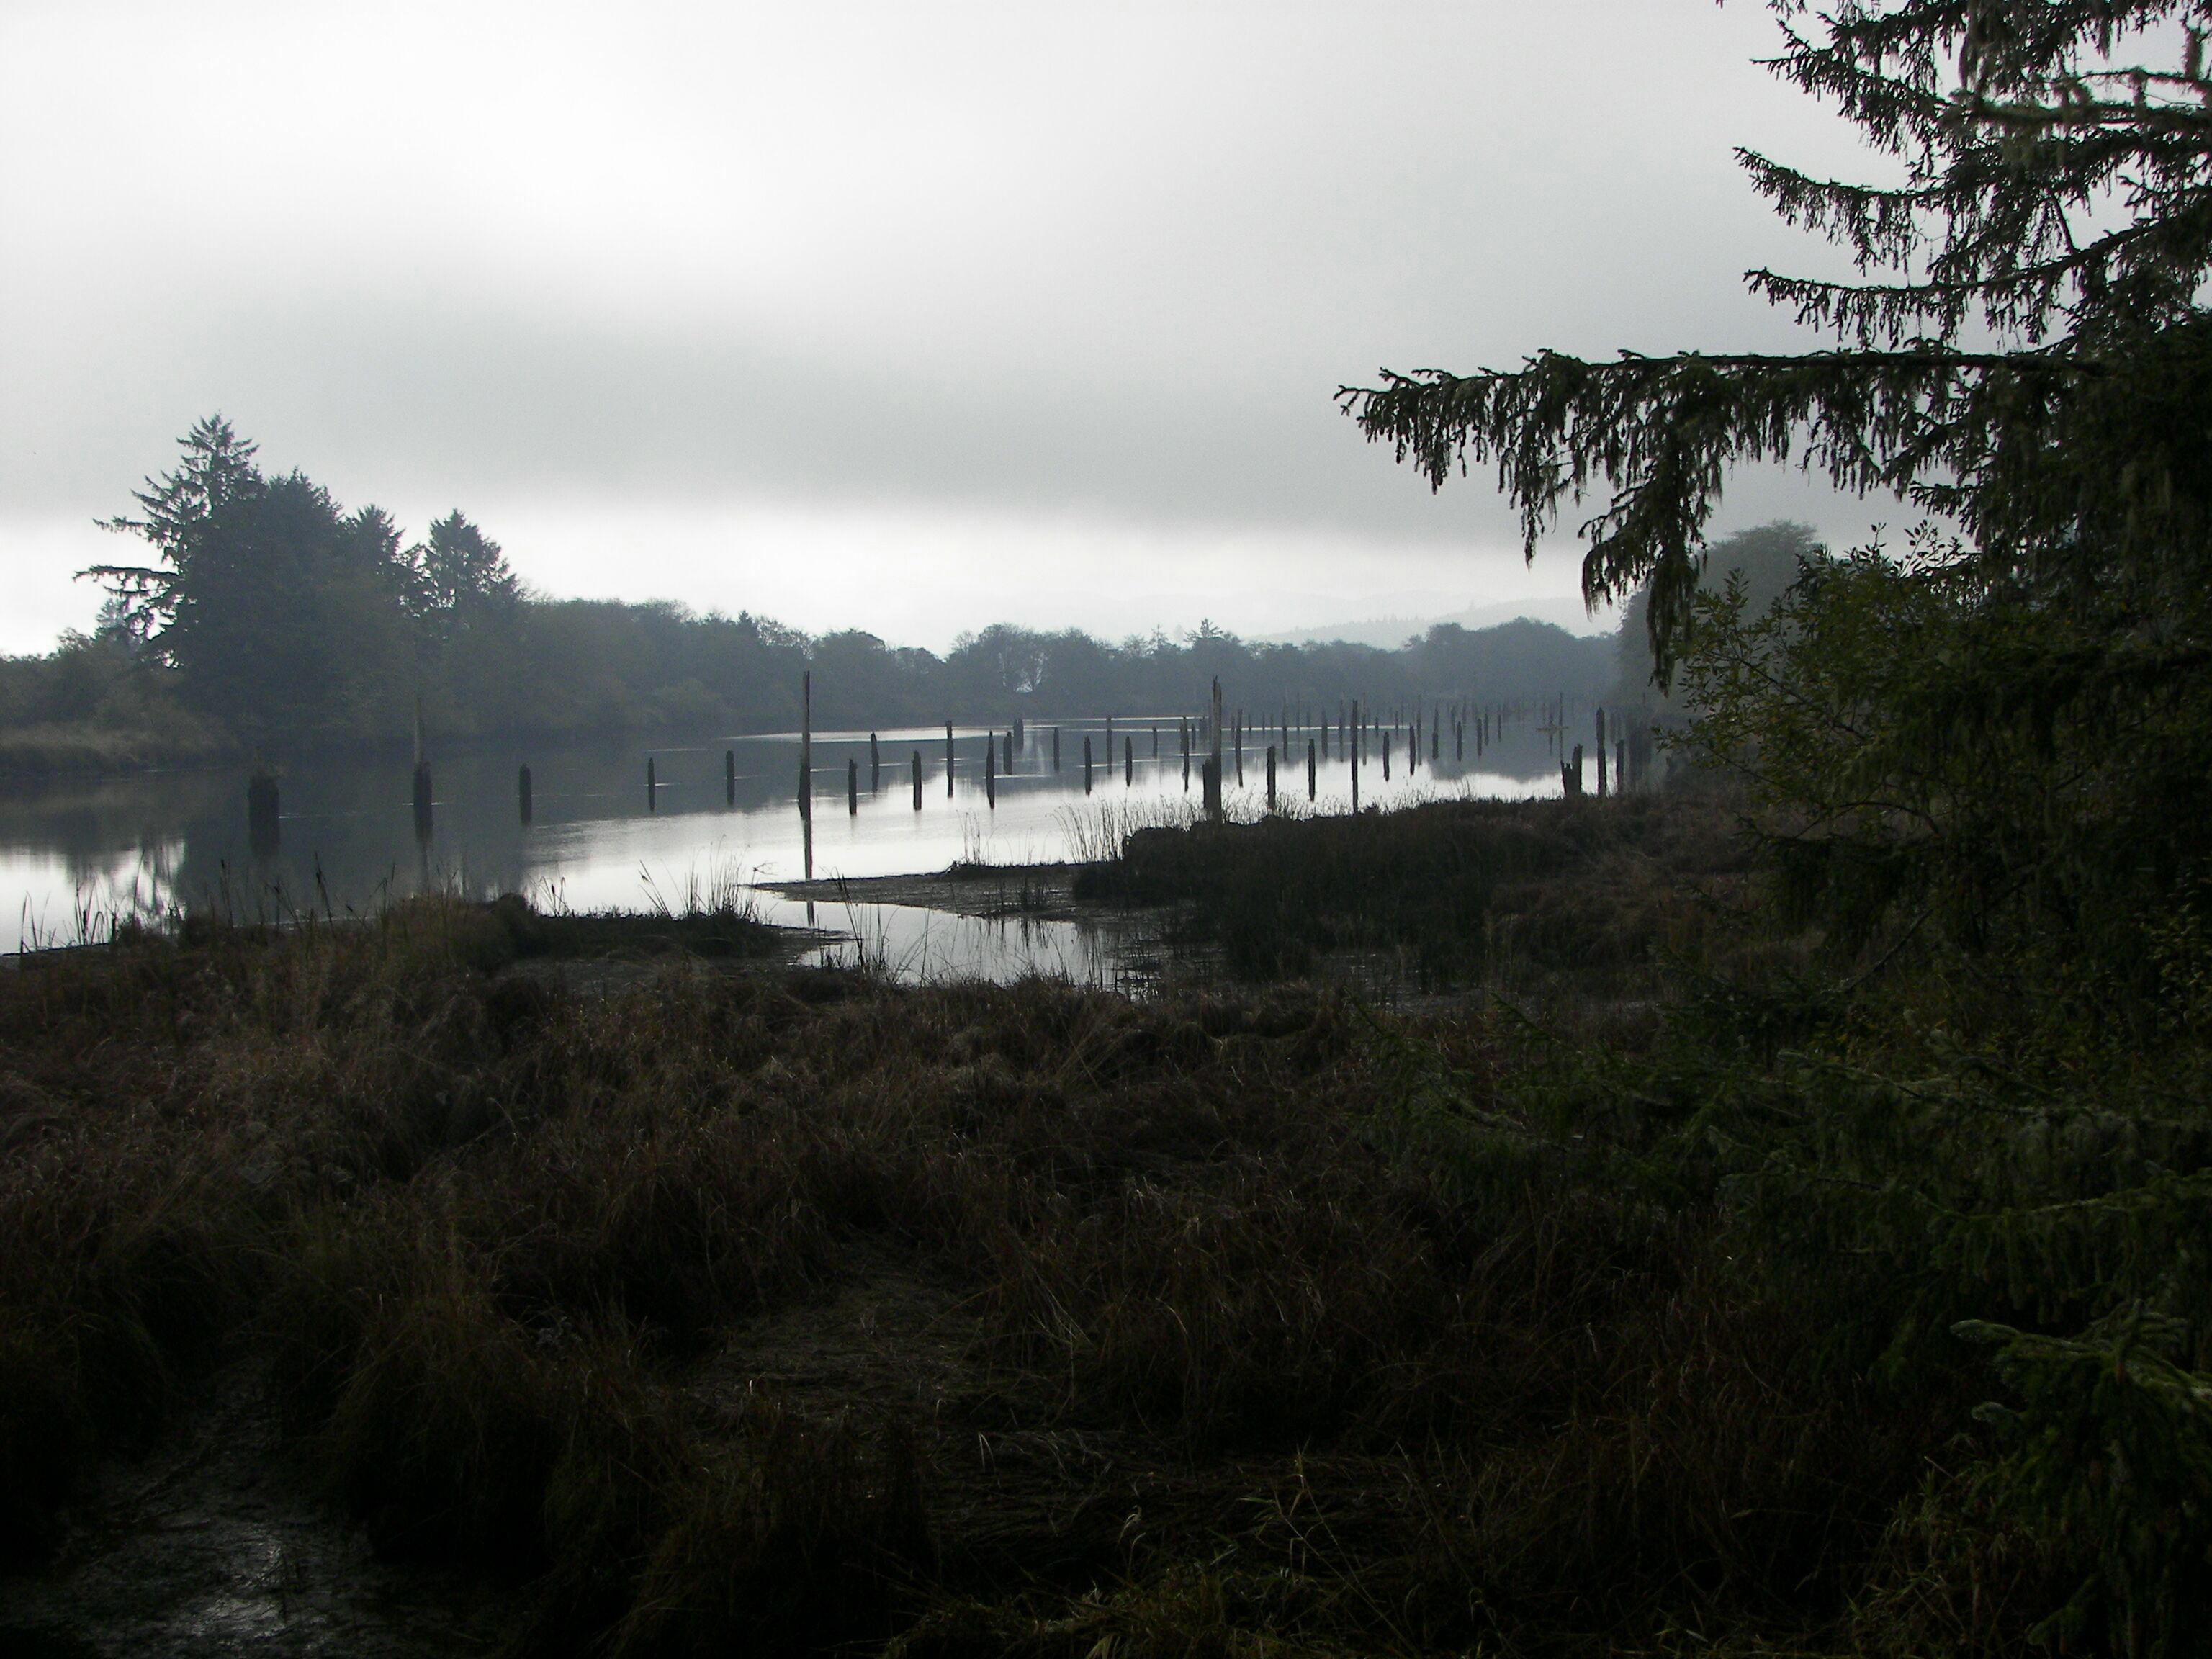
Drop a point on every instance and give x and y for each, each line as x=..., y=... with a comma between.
x=806, y=746
x=948, y=760
x=1271, y=777
x=852, y=786
x=1213, y=806
x=522, y=793
x=875, y=762
x=991, y=770
x=1087, y=762
x=1313, y=773
x=917, y=780
x=652, y=787
x=1055, y=749
x=1351, y=746
x=730, y=776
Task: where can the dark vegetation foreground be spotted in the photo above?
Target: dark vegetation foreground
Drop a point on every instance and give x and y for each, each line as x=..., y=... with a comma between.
x=797, y=1310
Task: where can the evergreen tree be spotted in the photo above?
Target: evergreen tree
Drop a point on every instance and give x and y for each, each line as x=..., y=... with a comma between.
x=459, y=577
x=2057, y=196
x=1982, y=764
x=217, y=469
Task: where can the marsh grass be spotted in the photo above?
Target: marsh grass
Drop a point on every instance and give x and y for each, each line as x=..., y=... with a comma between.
x=1235, y=1322
x=1095, y=831
x=1539, y=899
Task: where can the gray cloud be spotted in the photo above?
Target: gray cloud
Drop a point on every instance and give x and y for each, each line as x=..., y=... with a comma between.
x=1105, y=263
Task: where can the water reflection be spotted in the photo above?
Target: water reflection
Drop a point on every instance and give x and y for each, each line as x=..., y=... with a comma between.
x=633, y=826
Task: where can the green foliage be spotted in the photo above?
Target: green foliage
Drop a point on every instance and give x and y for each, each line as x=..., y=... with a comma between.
x=273, y=616
x=1931, y=746
x=2053, y=193
x=280, y=615
x=1767, y=558
x=2110, y=1449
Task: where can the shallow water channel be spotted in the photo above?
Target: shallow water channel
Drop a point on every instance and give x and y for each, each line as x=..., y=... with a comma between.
x=720, y=819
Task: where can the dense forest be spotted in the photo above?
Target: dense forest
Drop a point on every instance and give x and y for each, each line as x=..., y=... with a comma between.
x=272, y=616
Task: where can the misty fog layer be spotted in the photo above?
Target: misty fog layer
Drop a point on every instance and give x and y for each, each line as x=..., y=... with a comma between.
x=890, y=318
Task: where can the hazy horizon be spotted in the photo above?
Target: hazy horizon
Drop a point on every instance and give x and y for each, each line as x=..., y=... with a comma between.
x=904, y=319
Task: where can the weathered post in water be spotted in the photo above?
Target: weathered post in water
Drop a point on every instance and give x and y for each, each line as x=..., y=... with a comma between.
x=1313, y=773
x=1128, y=762
x=1055, y=749
x=652, y=787
x=852, y=786
x=875, y=765
x=1348, y=740
x=1007, y=765
x=807, y=745
x=1600, y=754
x=1213, y=809
x=522, y=793
x=1087, y=762
x=730, y=777
x=917, y=780
x=1271, y=777
x=991, y=770
x=261, y=816
x=948, y=760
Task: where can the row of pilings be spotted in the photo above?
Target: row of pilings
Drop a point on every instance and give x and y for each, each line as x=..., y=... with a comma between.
x=1215, y=741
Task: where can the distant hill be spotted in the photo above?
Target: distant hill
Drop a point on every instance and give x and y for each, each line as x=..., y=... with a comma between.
x=1388, y=633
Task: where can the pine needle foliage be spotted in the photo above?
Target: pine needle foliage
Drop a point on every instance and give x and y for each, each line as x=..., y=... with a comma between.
x=1978, y=767
x=2055, y=205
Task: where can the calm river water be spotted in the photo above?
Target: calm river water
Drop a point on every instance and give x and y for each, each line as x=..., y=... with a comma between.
x=78, y=856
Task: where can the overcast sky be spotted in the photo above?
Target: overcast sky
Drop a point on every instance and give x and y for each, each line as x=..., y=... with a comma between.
x=910, y=316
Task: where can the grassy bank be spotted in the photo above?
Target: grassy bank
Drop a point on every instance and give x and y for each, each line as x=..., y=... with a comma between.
x=798, y=1309
x=1554, y=900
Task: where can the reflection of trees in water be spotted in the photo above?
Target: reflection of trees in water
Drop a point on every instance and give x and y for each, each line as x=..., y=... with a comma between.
x=346, y=840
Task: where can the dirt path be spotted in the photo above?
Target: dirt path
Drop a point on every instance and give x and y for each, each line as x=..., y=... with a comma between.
x=213, y=1543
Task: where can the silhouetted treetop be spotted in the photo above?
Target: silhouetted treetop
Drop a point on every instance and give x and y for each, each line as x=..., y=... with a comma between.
x=2056, y=193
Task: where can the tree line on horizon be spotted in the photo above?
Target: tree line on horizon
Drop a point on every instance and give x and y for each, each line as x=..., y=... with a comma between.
x=269, y=617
